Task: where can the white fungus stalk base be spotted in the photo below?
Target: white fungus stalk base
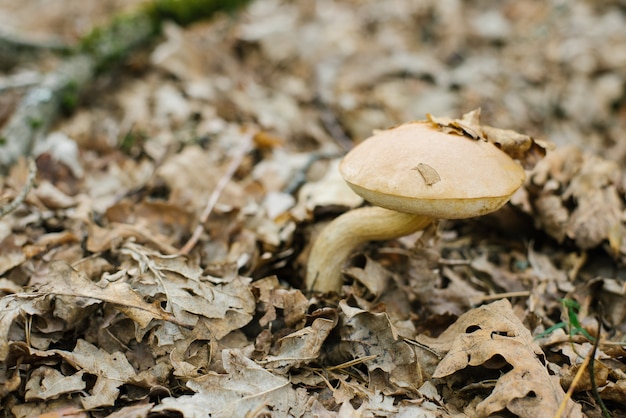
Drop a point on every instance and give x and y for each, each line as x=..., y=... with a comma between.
x=339, y=238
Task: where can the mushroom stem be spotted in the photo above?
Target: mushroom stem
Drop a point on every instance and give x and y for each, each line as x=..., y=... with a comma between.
x=337, y=240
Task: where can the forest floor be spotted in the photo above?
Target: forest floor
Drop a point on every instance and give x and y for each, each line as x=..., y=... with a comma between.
x=233, y=127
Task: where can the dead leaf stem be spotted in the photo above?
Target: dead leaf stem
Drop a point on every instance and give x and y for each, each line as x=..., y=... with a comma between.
x=246, y=146
x=570, y=391
x=592, y=377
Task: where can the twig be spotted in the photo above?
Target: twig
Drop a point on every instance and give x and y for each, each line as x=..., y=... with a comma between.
x=570, y=391
x=97, y=51
x=15, y=50
x=497, y=296
x=588, y=365
x=19, y=80
x=246, y=146
x=594, y=385
x=11, y=206
x=15, y=42
x=332, y=125
x=299, y=178
x=39, y=107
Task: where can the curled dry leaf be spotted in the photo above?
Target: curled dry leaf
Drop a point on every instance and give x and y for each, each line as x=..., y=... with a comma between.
x=11, y=254
x=222, y=304
x=576, y=195
x=105, y=206
x=245, y=388
x=72, y=283
x=112, y=370
x=300, y=347
x=291, y=302
x=492, y=337
x=429, y=174
x=369, y=334
x=519, y=146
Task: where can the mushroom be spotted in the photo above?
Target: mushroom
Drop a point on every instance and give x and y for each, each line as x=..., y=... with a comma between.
x=414, y=173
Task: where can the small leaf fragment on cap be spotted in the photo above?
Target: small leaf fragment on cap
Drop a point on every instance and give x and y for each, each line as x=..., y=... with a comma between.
x=429, y=174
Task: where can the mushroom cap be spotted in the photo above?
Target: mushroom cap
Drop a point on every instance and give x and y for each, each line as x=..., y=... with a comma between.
x=416, y=168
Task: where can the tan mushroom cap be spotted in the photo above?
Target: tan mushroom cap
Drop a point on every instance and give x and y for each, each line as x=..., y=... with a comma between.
x=416, y=168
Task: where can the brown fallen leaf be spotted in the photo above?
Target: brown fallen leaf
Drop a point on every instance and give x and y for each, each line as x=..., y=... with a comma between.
x=102, y=239
x=491, y=337
x=65, y=412
x=11, y=254
x=12, y=309
x=48, y=383
x=291, y=302
x=245, y=388
x=577, y=195
x=223, y=304
x=112, y=370
x=134, y=411
x=300, y=347
x=615, y=392
x=65, y=281
x=367, y=334
x=519, y=146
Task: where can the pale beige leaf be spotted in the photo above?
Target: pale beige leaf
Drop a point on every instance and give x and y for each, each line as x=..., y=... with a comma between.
x=96, y=361
x=300, y=347
x=372, y=334
x=47, y=383
x=11, y=254
x=14, y=307
x=428, y=173
x=112, y=371
x=134, y=411
x=68, y=282
x=329, y=190
x=246, y=387
x=493, y=336
x=223, y=306
x=104, y=393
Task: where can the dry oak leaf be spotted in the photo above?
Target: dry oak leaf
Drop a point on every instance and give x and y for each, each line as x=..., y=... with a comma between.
x=11, y=254
x=59, y=408
x=372, y=334
x=300, y=347
x=224, y=304
x=65, y=281
x=291, y=302
x=48, y=383
x=580, y=196
x=492, y=335
x=246, y=389
x=12, y=309
x=615, y=392
x=518, y=146
x=111, y=370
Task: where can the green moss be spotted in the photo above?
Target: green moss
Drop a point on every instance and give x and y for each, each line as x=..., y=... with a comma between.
x=110, y=44
x=131, y=142
x=69, y=97
x=185, y=12
x=35, y=123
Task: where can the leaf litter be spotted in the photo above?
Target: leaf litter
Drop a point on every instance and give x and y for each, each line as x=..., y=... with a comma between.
x=102, y=314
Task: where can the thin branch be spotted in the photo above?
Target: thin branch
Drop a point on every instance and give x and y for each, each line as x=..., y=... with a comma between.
x=592, y=377
x=568, y=396
x=39, y=108
x=20, y=80
x=97, y=51
x=11, y=206
x=246, y=146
